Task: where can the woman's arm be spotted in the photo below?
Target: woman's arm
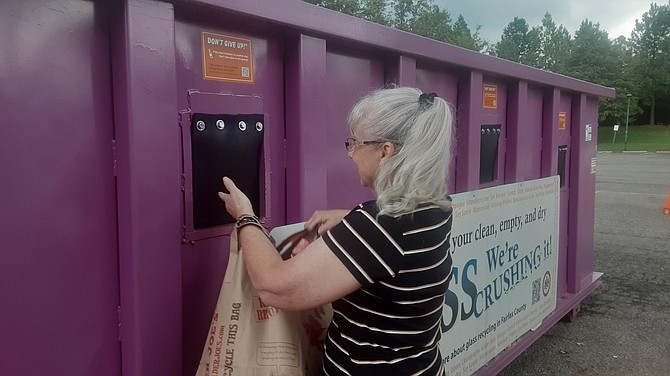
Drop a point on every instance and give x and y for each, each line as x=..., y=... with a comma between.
x=313, y=277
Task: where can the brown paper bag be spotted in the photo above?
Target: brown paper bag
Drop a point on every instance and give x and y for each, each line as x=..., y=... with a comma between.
x=247, y=337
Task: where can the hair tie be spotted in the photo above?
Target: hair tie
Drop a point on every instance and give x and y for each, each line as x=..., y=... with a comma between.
x=426, y=100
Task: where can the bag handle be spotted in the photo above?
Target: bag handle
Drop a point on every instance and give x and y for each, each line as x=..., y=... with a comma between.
x=286, y=247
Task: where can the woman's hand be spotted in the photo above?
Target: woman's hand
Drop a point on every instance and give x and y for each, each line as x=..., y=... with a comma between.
x=323, y=220
x=302, y=244
x=237, y=203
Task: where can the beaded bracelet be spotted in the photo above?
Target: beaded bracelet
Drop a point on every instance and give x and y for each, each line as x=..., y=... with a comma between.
x=248, y=219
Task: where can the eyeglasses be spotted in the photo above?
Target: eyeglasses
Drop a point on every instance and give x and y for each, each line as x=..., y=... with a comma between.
x=351, y=143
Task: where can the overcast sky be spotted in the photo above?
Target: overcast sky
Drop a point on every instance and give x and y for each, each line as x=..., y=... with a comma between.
x=617, y=17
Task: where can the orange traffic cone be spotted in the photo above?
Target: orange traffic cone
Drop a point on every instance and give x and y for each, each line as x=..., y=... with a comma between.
x=666, y=207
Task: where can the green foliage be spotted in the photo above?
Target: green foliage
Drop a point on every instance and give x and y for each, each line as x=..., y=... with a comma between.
x=629, y=66
x=350, y=7
x=546, y=46
x=640, y=138
x=592, y=57
x=422, y=17
x=462, y=36
x=374, y=11
x=639, y=66
x=626, y=79
x=555, y=45
x=650, y=43
x=519, y=43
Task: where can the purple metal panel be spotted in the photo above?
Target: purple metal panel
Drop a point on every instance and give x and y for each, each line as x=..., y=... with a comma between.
x=576, y=279
x=524, y=133
x=306, y=178
x=307, y=17
x=583, y=186
x=496, y=115
x=204, y=259
x=468, y=131
x=349, y=75
x=430, y=79
x=471, y=116
x=59, y=270
x=147, y=138
x=516, y=126
x=562, y=138
x=531, y=165
x=156, y=61
x=267, y=52
x=550, y=143
x=403, y=71
x=218, y=103
x=349, y=78
x=549, y=132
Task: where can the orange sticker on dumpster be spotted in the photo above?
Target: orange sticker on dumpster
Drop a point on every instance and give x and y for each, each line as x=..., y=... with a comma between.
x=490, y=96
x=561, y=121
x=227, y=58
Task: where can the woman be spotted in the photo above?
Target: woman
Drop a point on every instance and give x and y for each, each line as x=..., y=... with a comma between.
x=385, y=265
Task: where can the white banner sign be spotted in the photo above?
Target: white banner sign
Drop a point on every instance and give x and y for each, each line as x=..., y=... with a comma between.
x=504, y=241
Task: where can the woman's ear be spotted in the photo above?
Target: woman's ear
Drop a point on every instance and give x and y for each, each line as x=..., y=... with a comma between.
x=388, y=150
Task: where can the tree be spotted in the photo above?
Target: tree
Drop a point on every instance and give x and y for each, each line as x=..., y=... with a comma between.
x=374, y=11
x=625, y=81
x=462, y=36
x=422, y=17
x=594, y=59
x=519, y=44
x=350, y=7
x=403, y=12
x=555, y=44
x=431, y=21
x=650, y=41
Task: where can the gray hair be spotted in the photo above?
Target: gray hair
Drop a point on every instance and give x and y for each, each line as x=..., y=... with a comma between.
x=421, y=133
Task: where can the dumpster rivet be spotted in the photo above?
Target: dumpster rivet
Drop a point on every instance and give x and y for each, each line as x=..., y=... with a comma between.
x=259, y=126
x=488, y=130
x=483, y=131
x=220, y=124
x=242, y=125
x=200, y=125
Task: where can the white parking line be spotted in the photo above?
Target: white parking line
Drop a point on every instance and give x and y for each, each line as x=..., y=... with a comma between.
x=633, y=193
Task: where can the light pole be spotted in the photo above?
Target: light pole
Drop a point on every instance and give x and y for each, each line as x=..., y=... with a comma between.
x=625, y=141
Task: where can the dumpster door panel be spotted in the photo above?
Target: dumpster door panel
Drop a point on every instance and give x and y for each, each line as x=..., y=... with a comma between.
x=493, y=127
x=59, y=275
x=350, y=77
x=563, y=140
x=532, y=136
x=253, y=96
x=431, y=79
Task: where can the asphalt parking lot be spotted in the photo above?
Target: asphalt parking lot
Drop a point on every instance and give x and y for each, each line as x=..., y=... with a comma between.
x=623, y=328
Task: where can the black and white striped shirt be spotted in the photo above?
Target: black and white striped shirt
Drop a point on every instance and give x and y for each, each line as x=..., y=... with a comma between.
x=391, y=326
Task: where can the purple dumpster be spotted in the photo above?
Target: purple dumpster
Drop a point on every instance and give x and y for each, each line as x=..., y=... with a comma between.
x=118, y=117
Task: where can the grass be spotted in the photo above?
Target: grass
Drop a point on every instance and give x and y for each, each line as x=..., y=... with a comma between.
x=640, y=138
